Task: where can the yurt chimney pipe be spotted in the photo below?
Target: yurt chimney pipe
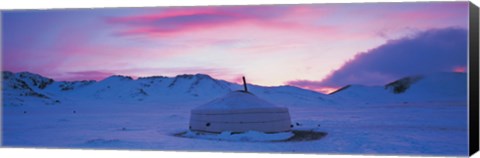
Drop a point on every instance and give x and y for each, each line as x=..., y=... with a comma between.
x=244, y=84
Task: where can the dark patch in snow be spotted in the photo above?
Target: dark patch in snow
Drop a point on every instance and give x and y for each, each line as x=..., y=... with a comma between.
x=37, y=80
x=67, y=86
x=139, y=92
x=178, y=77
x=151, y=78
x=299, y=136
x=119, y=77
x=102, y=141
x=125, y=129
x=63, y=120
x=401, y=85
x=341, y=89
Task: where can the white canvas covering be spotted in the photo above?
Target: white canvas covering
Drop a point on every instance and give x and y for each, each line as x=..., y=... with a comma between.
x=240, y=111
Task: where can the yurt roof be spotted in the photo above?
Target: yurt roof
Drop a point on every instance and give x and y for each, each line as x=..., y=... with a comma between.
x=238, y=101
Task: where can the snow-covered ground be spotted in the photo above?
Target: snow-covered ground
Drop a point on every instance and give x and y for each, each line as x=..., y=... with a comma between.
x=414, y=128
x=403, y=126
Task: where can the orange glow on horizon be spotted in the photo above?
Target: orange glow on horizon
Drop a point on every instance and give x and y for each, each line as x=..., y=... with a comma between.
x=324, y=90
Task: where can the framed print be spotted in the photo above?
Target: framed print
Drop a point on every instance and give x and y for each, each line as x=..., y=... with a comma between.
x=335, y=78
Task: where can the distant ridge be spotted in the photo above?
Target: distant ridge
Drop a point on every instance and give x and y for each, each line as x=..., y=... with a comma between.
x=442, y=86
x=27, y=88
x=340, y=89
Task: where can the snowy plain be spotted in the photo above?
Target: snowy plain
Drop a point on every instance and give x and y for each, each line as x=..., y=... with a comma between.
x=430, y=118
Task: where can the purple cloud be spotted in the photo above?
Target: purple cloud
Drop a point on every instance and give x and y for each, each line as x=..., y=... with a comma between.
x=436, y=50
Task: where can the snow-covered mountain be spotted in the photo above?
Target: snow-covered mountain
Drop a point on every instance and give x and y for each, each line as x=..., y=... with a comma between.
x=446, y=86
x=18, y=88
x=26, y=88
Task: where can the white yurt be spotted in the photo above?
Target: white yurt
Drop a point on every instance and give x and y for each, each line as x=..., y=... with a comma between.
x=240, y=111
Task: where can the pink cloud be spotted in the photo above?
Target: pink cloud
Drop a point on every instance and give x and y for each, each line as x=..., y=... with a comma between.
x=178, y=21
x=174, y=21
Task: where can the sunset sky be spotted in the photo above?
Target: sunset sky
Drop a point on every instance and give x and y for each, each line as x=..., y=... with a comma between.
x=319, y=47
